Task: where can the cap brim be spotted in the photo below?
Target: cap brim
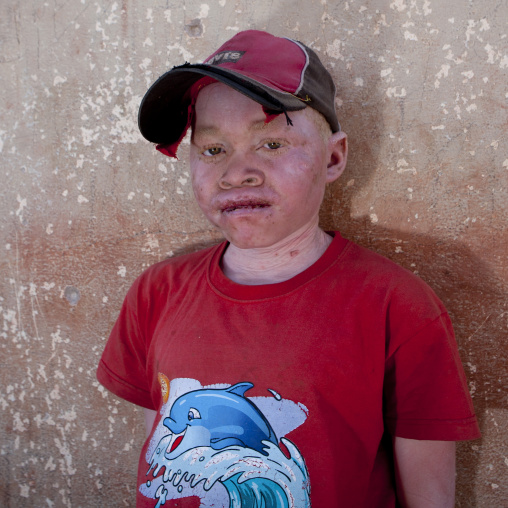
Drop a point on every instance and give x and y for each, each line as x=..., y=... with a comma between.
x=163, y=111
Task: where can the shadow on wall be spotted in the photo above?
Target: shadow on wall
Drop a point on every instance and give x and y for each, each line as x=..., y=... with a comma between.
x=470, y=291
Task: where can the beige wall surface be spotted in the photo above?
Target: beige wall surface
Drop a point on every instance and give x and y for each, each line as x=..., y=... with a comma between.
x=86, y=204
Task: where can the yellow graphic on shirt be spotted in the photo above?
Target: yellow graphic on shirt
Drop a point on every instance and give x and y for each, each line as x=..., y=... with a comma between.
x=164, y=382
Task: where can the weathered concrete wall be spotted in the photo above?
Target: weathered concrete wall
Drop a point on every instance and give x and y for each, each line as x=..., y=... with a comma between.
x=86, y=204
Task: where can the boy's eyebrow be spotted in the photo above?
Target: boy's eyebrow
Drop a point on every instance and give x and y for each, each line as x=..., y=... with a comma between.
x=211, y=130
x=205, y=130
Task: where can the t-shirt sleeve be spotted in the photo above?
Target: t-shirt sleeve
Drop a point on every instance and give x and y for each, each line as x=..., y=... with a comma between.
x=122, y=367
x=426, y=394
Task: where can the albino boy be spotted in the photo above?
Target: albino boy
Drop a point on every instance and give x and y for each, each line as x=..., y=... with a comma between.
x=286, y=366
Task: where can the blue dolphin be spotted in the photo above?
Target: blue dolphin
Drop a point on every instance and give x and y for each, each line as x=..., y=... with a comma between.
x=217, y=418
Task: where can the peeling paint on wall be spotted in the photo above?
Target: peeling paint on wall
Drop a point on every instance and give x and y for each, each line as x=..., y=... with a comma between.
x=87, y=203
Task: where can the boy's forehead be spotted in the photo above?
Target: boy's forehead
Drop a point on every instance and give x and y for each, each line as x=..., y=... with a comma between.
x=236, y=125
x=209, y=127
x=216, y=100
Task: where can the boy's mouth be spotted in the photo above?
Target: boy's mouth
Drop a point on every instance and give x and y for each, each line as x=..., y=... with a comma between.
x=243, y=205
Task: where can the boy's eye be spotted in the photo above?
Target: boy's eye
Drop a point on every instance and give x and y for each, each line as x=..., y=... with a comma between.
x=273, y=145
x=214, y=150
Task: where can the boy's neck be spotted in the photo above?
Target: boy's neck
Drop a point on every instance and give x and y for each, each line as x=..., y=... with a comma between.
x=277, y=263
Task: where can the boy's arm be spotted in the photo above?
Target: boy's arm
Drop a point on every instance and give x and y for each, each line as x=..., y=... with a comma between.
x=150, y=415
x=425, y=473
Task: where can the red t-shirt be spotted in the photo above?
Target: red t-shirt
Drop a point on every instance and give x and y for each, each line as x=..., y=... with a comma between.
x=289, y=392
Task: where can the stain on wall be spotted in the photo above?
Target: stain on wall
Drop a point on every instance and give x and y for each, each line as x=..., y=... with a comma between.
x=86, y=204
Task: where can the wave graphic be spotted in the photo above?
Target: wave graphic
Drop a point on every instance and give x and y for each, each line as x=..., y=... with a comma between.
x=235, y=476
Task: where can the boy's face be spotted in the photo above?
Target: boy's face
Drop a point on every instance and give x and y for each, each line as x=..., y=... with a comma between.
x=259, y=182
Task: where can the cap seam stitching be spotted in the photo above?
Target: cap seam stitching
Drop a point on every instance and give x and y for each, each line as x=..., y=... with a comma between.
x=307, y=62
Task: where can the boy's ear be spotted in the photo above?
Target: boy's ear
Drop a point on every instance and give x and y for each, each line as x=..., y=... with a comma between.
x=337, y=153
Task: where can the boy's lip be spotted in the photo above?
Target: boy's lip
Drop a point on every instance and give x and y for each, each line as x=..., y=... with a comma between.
x=243, y=204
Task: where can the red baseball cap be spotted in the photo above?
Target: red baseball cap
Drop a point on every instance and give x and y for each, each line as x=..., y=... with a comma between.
x=279, y=73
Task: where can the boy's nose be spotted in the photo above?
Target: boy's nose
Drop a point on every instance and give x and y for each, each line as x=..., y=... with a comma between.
x=241, y=173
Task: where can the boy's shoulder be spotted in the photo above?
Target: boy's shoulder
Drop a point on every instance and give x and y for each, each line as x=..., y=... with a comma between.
x=378, y=276
x=368, y=263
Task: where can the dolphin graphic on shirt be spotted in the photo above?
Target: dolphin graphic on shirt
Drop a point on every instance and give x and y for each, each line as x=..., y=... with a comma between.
x=218, y=436
x=217, y=418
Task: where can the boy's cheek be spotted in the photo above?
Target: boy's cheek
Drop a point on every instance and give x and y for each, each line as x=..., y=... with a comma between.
x=197, y=183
